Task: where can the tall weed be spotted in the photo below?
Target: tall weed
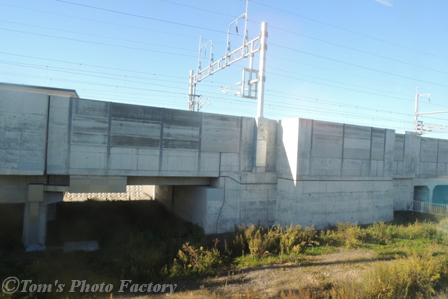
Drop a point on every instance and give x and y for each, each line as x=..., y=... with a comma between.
x=195, y=262
x=350, y=235
x=411, y=277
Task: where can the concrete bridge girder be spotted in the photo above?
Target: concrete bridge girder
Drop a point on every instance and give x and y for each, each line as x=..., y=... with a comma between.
x=231, y=170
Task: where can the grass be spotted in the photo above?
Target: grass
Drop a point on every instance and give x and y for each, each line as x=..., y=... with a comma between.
x=142, y=241
x=320, y=250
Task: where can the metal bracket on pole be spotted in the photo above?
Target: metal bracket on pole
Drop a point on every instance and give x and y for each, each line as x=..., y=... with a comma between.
x=416, y=113
x=418, y=125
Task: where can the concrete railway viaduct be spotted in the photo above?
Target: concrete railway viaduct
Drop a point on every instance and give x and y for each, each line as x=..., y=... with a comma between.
x=216, y=170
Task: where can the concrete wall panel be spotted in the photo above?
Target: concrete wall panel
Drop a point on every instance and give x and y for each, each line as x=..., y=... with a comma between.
x=326, y=167
x=90, y=109
x=411, y=159
x=355, y=167
x=23, y=131
x=181, y=130
x=403, y=191
x=356, y=148
x=325, y=146
x=217, y=130
x=389, y=146
x=58, y=133
x=399, y=147
x=443, y=151
x=429, y=150
x=247, y=146
x=378, y=140
x=327, y=128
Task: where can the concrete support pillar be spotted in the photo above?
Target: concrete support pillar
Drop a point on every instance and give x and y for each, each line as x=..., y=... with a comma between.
x=431, y=193
x=35, y=218
x=41, y=201
x=164, y=194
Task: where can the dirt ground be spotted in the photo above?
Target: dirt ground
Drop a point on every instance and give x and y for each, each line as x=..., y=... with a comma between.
x=268, y=281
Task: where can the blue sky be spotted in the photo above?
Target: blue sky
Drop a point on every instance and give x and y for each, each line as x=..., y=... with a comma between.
x=348, y=61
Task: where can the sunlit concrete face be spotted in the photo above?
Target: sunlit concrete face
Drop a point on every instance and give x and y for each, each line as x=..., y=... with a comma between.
x=332, y=172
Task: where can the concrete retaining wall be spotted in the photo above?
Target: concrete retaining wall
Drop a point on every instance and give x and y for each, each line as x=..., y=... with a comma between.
x=216, y=170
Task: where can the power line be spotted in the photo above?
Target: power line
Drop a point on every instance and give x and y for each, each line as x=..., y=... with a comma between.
x=320, y=78
x=199, y=8
x=310, y=100
x=95, y=73
x=89, y=65
x=339, y=87
x=340, y=105
x=96, y=43
x=273, y=44
x=306, y=108
x=96, y=35
x=360, y=51
x=140, y=16
x=356, y=65
x=348, y=30
x=276, y=104
x=94, y=20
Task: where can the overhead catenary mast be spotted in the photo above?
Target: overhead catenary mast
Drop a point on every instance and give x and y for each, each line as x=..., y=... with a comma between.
x=418, y=125
x=250, y=88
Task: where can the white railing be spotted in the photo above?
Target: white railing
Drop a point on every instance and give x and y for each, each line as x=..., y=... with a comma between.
x=430, y=208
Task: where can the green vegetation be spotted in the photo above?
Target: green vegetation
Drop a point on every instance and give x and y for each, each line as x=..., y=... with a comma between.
x=142, y=241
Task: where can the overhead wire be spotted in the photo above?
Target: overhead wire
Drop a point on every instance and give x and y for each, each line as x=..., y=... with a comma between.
x=96, y=20
x=97, y=35
x=141, y=16
x=96, y=43
x=221, y=31
x=357, y=65
x=348, y=30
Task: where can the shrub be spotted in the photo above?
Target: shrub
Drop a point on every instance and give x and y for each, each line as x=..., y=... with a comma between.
x=419, y=230
x=294, y=239
x=259, y=240
x=273, y=240
x=350, y=235
x=192, y=261
x=412, y=277
x=381, y=233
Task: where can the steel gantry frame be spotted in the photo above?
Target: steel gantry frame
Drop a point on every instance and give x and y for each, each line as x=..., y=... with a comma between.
x=248, y=49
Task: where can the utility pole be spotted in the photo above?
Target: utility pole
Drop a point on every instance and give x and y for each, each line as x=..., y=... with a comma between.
x=250, y=88
x=416, y=108
x=418, y=126
x=262, y=71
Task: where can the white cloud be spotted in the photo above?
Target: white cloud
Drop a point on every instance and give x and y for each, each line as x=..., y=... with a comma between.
x=385, y=2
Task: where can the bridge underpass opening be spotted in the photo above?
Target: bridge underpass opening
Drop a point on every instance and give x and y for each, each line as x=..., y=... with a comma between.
x=11, y=225
x=421, y=193
x=440, y=194
x=91, y=225
x=201, y=205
